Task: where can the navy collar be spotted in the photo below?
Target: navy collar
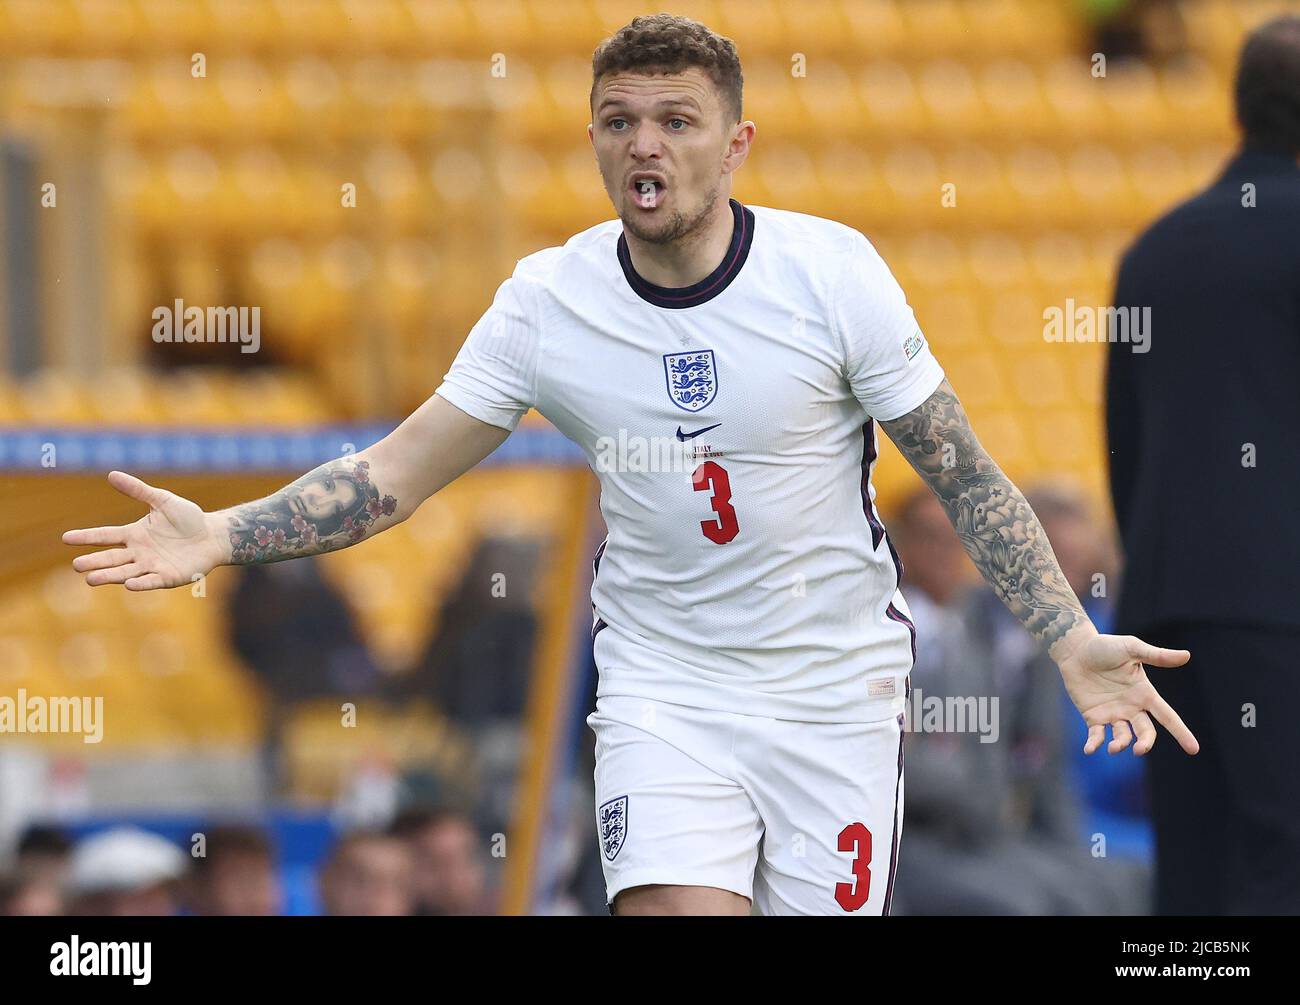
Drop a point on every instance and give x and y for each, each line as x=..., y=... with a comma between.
x=742, y=236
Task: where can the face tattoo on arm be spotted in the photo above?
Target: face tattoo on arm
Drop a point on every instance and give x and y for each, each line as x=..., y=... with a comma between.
x=328, y=508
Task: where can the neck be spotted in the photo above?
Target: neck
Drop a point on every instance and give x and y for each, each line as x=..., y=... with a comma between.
x=688, y=259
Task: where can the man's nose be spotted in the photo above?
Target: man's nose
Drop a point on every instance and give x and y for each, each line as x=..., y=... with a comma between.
x=645, y=141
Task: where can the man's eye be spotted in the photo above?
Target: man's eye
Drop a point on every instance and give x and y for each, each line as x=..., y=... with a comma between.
x=329, y=484
x=682, y=121
x=613, y=123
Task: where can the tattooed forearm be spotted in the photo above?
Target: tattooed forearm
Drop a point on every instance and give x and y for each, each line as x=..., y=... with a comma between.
x=996, y=525
x=326, y=509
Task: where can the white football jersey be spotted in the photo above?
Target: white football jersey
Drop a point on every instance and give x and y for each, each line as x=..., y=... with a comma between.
x=732, y=425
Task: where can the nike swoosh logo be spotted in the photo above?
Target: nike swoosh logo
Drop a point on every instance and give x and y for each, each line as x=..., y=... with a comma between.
x=690, y=436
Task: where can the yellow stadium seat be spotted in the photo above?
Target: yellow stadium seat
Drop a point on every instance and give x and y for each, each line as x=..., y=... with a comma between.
x=1062, y=438
x=937, y=27
x=560, y=26
x=979, y=187
x=1135, y=102
x=36, y=27
x=1158, y=176
x=774, y=100
x=828, y=97
x=1075, y=97
x=997, y=260
x=1015, y=320
x=788, y=176
x=11, y=407
x=757, y=26
x=244, y=25
x=911, y=173
x=54, y=397
x=567, y=88
x=1058, y=258
x=1014, y=99
x=444, y=25
x=951, y=320
x=505, y=25
x=1198, y=101
x=876, y=26
x=106, y=26
x=951, y=99
x=890, y=97
x=1097, y=178
x=1038, y=378
x=930, y=261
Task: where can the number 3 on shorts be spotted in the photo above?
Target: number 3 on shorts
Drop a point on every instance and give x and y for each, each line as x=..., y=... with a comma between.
x=855, y=838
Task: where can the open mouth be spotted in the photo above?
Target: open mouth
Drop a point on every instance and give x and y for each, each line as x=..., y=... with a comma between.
x=647, y=192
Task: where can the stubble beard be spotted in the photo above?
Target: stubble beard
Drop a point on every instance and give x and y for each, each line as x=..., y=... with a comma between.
x=677, y=227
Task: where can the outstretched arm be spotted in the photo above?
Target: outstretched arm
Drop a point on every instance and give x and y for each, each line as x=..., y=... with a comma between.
x=335, y=505
x=998, y=529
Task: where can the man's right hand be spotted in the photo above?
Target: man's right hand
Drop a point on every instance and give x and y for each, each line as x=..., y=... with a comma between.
x=170, y=546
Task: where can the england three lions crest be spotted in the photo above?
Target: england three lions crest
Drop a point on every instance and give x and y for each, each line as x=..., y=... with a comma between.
x=692, y=378
x=611, y=819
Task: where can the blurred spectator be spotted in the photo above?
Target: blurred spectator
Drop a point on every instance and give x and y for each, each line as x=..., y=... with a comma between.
x=989, y=815
x=125, y=872
x=236, y=877
x=297, y=633
x=37, y=882
x=448, y=875
x=29, y=894
x=479, y=662
x=937, y=565
x=1113, y=788
x=44, y=851
x=1137, y=29
x=368, y=874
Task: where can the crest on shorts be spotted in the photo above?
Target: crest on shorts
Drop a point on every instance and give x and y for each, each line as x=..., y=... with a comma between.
x=692, y=378
x=611, y=819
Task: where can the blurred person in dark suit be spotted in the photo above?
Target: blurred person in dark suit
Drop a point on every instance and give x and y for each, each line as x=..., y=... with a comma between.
x=447, y=870
x=367, y=874
x=1204, y=475
x=237, y=875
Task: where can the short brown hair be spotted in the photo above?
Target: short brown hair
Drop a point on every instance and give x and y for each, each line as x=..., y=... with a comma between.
x=666, y=43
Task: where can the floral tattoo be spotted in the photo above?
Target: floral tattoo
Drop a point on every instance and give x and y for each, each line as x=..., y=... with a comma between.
x=326, y=509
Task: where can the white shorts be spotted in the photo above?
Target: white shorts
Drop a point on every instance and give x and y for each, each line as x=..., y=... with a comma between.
x=800, y=817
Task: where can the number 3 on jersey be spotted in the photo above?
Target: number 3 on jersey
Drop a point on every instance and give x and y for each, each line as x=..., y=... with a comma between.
x=713, y=476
